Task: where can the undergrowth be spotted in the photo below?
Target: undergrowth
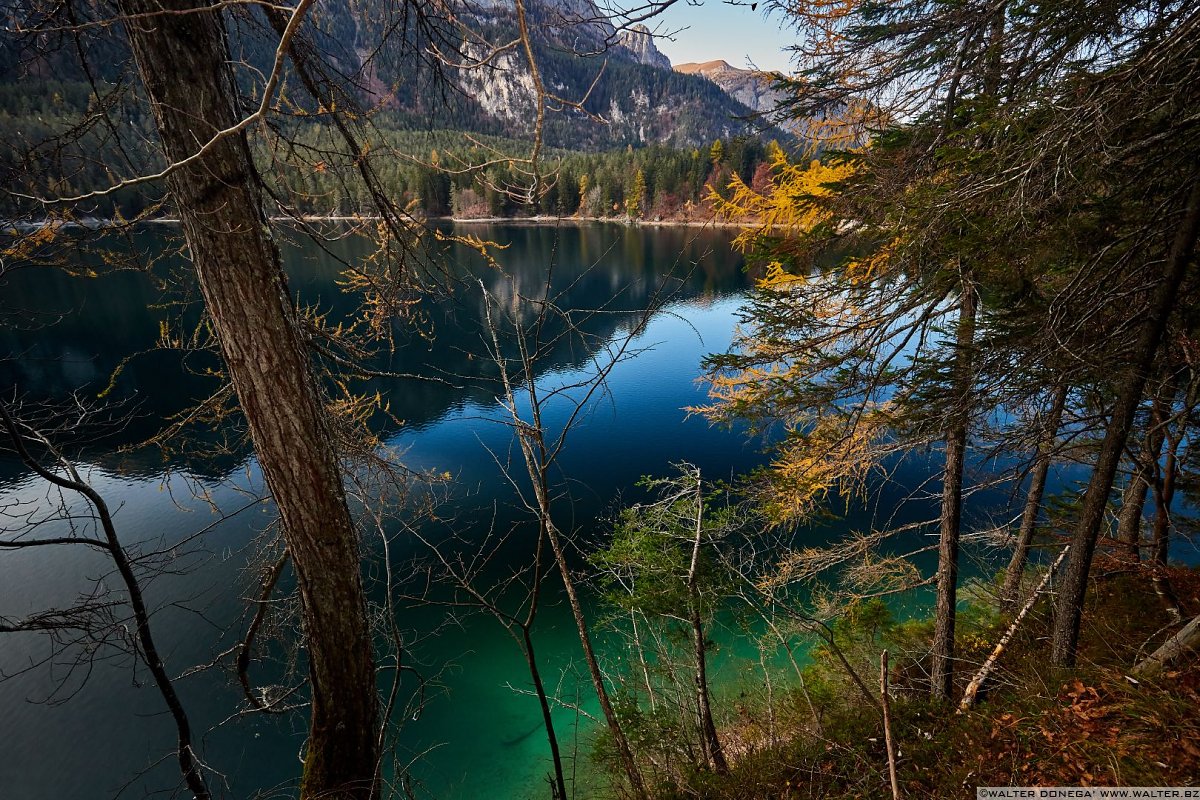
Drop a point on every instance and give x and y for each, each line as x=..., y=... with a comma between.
x=1033, y=725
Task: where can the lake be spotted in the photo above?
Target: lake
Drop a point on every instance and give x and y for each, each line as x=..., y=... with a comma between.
x=87, y=727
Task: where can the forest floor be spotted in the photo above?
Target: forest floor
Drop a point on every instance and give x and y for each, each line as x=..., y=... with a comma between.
x=1034, y=725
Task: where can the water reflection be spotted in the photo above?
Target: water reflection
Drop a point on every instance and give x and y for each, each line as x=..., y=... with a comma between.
x=112, y=323
x=164, y=497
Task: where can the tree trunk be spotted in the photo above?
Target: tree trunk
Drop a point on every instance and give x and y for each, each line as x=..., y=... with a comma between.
x=968, y=698
x=887, y=725
x=942, y=670
x=1133, y=506
x=709, y=741
x=624, y=751
x=1071, y=593
x=560, y=783
x=531, y=437
x=1164, y=495
x=184, y=59
x=1133, y=499
x=1033, y=503
x=1181, y=644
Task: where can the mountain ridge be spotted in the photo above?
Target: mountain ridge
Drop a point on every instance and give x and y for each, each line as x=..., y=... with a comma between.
x=752, y=88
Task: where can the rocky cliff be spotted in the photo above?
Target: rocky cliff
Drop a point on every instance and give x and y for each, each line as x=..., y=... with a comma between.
x=748, y=87
x=639, y=42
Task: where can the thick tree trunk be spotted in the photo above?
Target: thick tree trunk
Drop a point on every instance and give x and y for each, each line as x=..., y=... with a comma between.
x=1073, y=589
x=184, y=61
x=1133, y=507
x=942, y=669
x=1033, y=503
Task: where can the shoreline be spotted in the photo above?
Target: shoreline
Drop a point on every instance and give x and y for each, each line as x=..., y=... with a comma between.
x=632, y=223
x=99, y=224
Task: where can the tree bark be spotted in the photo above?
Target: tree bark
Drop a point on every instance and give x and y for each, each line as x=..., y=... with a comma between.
x=184, y=61
x=1133, y=507
x=1181, y=644
x=942, y=669
x=1133, y=499
x=709, y=741
x=1073, y=589
x=1033, y=503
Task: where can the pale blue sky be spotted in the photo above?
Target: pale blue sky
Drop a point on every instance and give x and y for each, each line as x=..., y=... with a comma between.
x=719, y=30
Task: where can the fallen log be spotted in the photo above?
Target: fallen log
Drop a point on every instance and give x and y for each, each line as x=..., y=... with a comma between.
x=976, y=683
x=1173, y=649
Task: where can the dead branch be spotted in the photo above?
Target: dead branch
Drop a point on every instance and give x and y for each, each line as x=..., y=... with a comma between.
x=189, y=764
x=973, y=687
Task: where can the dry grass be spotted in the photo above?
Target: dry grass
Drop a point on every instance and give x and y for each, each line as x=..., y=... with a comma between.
x=1091, y=725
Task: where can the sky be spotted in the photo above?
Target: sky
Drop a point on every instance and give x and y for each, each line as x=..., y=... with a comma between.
x=713, y=29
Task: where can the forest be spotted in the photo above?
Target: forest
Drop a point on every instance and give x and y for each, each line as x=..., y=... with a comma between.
x=435, y=173
x=965, y=350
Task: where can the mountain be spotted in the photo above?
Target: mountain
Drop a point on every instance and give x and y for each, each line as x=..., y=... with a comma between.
x=611, y=87
x=756, y=90
x=463, y=69
x=638, y=41
x=751, y=88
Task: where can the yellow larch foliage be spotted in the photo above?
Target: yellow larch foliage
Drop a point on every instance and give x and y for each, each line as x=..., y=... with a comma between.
x=835, y=453
x=790, y=204
x=869, y=267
